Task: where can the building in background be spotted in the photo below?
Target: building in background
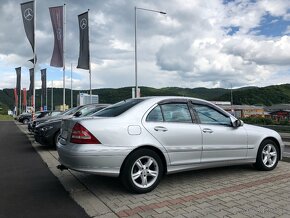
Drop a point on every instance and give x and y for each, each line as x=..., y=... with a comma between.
x=61, y=107
x=84, y=98
x=244, y=111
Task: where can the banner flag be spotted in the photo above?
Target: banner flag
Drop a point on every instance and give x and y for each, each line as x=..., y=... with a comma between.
x=31, y=73
x=16, y=97
x=56, y=15
x=27, y=10
x=24, y=101
x=84, y=54
x=43, y=84
x=18, y=80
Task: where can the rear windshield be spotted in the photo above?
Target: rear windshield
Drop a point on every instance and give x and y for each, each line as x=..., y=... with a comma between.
x=118, y=108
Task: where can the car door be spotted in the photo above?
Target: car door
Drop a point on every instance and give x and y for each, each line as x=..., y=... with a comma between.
x=221, y=141
x=172, y=125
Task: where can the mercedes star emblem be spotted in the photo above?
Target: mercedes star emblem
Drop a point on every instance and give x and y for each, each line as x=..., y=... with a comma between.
x=83, y=23
x=28, y=14
x=58, y=33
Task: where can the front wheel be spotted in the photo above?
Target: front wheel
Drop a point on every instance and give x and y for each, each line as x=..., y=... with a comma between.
x=267, y=156
x=56, y=138
x=142, y=171
x=25, y=121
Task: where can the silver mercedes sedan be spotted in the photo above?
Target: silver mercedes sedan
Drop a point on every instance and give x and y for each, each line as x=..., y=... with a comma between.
x=142, y=139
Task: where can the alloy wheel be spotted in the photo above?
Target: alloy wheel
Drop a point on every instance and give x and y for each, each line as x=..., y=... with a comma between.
x=269, y=155
x=144, y=172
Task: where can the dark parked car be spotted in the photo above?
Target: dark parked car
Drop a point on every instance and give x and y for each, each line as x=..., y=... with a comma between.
x=47, y=133
x=31, y=125
x=26, y=117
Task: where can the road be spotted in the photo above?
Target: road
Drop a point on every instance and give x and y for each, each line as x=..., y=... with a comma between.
x=27, y=187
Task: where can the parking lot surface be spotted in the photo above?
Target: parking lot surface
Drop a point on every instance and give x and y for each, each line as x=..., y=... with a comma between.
x=238, y=191
x=27, y=187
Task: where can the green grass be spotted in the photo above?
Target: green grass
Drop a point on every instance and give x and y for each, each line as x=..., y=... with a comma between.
x=5, y=117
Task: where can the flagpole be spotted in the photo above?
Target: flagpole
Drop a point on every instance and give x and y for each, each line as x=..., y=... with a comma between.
x=71, y=90
x=64, y=41
x=90, y=72
x=20, y=97
x=46, y=91
x=52, y=95
x=34, y=70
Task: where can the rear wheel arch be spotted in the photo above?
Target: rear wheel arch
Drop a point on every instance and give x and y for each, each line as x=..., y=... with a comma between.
x=150, y=147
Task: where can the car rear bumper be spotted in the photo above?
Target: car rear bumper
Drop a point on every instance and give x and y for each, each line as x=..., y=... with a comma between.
x=95, y=159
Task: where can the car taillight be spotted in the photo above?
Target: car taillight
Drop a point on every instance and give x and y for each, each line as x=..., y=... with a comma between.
x=80, y=135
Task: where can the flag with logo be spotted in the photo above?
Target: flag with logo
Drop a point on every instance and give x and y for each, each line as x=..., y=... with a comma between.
x=31, y=74
x=18, y=79
x=84, y=54
x=43, y=84
x=27, y=10
x=56, y=15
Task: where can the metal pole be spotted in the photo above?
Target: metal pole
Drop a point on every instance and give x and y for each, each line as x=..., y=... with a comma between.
x=52, y=95
x=90, y=72
x=136, y=81
x=64, y=41
x=46, y=93
x=71, y=90
x=34, y=70
x=232, y=96
x=20, y=104
x=136, y=74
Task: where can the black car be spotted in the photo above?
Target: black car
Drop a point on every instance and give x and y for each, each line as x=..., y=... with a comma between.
x=31, y=125
x=47, y=133
x=26, y=117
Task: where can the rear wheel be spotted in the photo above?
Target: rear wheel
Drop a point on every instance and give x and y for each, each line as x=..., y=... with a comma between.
x=142, y=171
x=267, y=156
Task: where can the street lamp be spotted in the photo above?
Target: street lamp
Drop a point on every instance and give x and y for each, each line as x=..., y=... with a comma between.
x=144, y=9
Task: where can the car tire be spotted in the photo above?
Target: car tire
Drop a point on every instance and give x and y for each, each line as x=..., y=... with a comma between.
x=25, y=121
x=55, y=140
x=142, y=171
x=267, y=156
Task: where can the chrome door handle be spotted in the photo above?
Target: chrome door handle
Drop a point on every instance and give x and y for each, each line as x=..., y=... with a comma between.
x=206, y=130
x=160, y=128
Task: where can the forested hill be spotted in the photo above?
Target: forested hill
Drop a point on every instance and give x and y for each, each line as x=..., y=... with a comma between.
x=247, y=95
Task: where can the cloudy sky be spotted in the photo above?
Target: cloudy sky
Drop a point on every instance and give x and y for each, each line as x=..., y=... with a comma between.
x=198, y=43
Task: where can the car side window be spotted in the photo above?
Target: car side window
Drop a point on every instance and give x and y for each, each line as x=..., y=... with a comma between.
x=176, y=112
x=155, y=115
x=208, y=115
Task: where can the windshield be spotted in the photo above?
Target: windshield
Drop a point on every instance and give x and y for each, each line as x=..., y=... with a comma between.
x=118, y=108
x=72, y=110
x=91, y=111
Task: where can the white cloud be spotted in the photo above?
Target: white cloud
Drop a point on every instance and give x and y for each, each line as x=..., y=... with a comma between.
x=189, y=46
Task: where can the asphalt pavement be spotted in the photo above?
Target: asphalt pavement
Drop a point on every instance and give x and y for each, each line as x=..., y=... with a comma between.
x=27, y=186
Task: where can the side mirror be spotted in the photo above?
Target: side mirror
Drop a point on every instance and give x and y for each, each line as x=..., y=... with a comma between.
x=77, y=114
x=238, y=123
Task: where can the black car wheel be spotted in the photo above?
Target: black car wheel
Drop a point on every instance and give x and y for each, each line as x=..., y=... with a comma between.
x=25, y=121
x=267, y=156
x=56, y=137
